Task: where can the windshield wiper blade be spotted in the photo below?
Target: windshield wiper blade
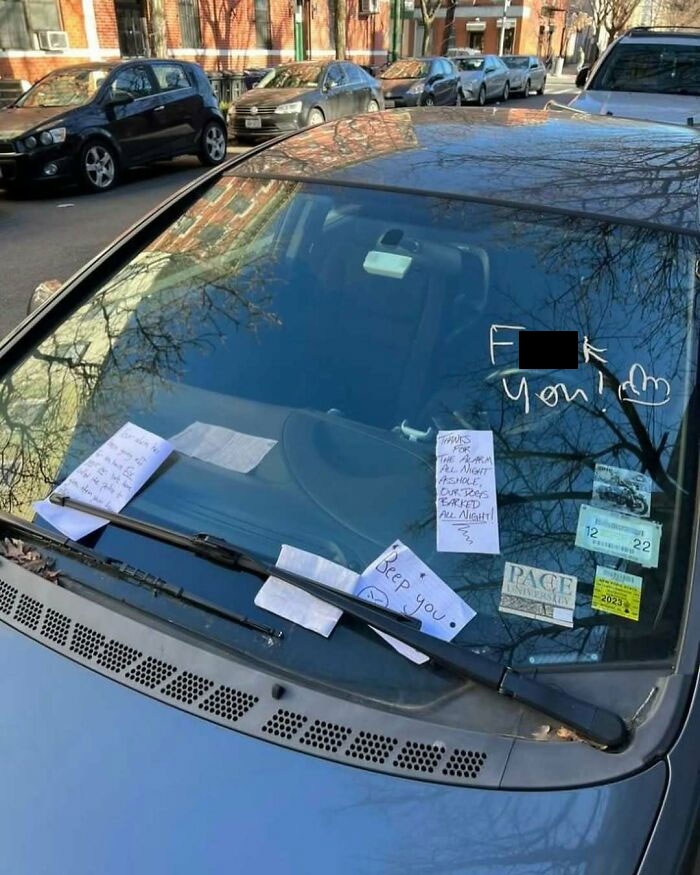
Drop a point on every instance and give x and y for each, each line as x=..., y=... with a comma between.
x=132, y=573
x=597, y=724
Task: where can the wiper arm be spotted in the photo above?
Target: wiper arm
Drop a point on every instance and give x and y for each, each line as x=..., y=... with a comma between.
x=130, y=572
x=600, y=725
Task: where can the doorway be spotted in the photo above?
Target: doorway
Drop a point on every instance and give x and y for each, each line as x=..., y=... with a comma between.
x=131, y=28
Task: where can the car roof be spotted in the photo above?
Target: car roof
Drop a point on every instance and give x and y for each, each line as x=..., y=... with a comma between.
x=562, y=161
x=657, y=35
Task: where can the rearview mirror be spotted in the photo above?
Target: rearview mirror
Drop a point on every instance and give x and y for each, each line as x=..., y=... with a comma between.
x=120, y=98
x=582, y=76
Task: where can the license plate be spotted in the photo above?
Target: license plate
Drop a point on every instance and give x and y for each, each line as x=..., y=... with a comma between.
x=389, y=104
x=253, y=123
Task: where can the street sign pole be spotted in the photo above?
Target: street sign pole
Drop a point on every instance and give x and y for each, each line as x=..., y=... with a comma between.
x=501, y=38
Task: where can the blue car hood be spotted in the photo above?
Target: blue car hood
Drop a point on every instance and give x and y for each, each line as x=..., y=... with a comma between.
x=98, y=778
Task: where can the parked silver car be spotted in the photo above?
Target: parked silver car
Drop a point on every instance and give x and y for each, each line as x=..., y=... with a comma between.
x=482, y=78
x=527, y=73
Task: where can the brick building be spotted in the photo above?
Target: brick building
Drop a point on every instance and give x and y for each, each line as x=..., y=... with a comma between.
x=37, y=36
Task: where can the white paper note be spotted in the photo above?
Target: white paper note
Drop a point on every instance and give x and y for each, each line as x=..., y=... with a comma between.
x=465, y=484
x=108, y=479
x=399, y=580
x=298, y=606
x=221, y=446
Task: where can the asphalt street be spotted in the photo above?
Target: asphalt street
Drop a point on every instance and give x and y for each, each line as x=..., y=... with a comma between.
x=51, y=235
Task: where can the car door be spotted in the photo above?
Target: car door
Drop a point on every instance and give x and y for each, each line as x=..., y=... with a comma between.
x=183, y=105
x=489, y=73
x=500, y=76
x=338, y=93
x=137, y=125
x=436, y=77
x=359, y=87
x=536, y=72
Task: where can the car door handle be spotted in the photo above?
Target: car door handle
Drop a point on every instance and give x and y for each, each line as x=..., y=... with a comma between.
x=159, y=109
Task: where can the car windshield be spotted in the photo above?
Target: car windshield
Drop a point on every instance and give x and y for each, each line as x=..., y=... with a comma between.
x=406, y=70
x=69, y=88
x=346, y=327
x=293, y=76
x=515, y=63
x=653, y=68
x=470, y=64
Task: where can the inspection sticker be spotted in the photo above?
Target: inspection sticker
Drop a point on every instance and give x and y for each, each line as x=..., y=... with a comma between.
x=616, y=592
x=616, y=534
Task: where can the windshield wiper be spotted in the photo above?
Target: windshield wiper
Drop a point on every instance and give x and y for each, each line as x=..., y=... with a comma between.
x=133, y=574
x=597, y=724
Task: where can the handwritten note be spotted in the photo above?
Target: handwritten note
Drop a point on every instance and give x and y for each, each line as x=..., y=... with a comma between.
x=108, y=479
x=465, y=484
x=399, y=580
x=221, y=446
x=294, y=604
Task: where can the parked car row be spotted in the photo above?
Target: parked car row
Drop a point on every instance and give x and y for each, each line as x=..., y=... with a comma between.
x=90, y=122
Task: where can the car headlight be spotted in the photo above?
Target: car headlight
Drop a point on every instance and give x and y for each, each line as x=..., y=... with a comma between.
x=418, y=88
x=55, y=135
x=283, y=108
x=30, y=143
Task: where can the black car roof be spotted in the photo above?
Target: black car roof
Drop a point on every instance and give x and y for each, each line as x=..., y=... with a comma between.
x=633, y=171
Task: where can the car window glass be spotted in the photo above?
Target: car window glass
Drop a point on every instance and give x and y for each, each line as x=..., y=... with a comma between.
x=170, y=77
x=293, y=76
x=134, y=81
x=335, y=74
x=354, y=74
x=652, y=68
x=71, y=88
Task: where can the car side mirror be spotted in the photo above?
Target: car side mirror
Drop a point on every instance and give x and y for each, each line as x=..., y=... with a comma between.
x=582, y=76
x=437, y=77
x=120, y=98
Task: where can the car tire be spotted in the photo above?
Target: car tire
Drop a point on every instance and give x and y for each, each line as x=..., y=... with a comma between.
x=316, y=117
x=99, y=167
x=461, y=99
x=526, y=91
x=372, y=106
x=506, y=92
x=429, y=100
x=481, y=98
x=541, y=90
x=212, y=149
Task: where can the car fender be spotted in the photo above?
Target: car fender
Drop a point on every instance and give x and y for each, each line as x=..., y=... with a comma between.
x=98, y=133
x=211, y=114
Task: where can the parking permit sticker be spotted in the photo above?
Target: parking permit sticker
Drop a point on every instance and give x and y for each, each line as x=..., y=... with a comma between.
x=622, y=490
x=616, y=534
x=616, y=592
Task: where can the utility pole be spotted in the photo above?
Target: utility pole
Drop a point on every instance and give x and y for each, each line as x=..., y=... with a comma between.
x=501, y=38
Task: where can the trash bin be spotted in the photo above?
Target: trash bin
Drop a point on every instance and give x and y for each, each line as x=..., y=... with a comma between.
x=558, y=66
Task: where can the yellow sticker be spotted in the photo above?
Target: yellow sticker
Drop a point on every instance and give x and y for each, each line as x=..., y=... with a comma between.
x=616, y=592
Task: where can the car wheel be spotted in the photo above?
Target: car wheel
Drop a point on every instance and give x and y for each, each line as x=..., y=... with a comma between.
x=481, y=99
x=372, y=106
x=461, y=99
x=429, y=100
x=99, y=169
x=506, y=92
x=316, y=117
x=213, y=144
x=541, y=90
x=526, y=92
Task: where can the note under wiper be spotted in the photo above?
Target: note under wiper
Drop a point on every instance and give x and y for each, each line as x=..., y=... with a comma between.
x=597, y=724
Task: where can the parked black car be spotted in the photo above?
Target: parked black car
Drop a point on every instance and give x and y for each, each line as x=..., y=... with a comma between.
x=301, y=95
x=420, y=82
x=88, y=123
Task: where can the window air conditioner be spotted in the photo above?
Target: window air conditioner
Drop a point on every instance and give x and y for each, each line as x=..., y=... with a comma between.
x=52, y=40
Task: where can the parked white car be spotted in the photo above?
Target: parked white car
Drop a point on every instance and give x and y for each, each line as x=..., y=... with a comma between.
x=527, y=73
x=648, y=73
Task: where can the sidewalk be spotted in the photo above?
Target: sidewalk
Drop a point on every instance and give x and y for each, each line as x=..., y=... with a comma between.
x=568, y=77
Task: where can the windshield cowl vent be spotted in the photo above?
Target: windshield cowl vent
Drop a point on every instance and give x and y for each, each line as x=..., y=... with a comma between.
x=284, y=724
x=8, y=594
x=28, y=612
x=464, y=764
x=325, y=736
x=187, y=687
x=56, y=627
x=151, y=672
x=371, y=747
x=418, y=757
x=229, y=704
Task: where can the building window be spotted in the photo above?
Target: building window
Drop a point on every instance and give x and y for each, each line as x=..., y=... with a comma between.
x=20, y=18
x=476, y=40
x=263, y=37
x=190, y=31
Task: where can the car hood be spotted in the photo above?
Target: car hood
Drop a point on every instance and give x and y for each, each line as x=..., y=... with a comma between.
x=673, y=108
x=397, y=86
x=471, y=75
x=15, y=121
x=93, y=771
x=272, y=96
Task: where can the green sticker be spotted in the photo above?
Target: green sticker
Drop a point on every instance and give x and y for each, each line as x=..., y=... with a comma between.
x=604, y=531
x=616, y=592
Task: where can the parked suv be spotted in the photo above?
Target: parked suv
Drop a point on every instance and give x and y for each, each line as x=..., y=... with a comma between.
x=89, y=122
x=648, y=73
